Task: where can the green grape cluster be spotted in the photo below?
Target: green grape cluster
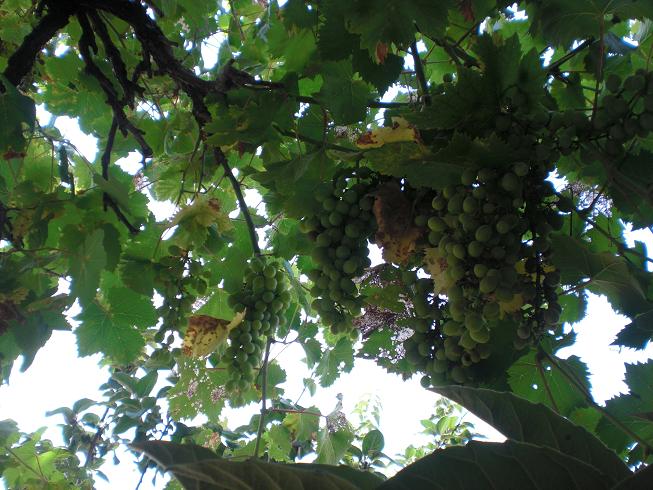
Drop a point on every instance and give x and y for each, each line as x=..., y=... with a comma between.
x=340, y=232
x=434, y=348
x=264, y=297
x=491, y=239
x=626, y=111
x=180, y=279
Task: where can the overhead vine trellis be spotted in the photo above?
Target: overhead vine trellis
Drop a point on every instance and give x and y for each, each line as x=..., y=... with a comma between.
x=485, y=259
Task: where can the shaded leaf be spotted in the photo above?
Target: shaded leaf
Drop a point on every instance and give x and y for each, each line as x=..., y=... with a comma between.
x=487, y=465
x=199, y=468
x=524, y=421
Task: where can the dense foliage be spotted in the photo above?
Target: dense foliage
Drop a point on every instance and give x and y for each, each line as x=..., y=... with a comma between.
x=486, y=257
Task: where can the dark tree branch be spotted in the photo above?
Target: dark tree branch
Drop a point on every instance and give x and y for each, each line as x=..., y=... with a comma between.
x=554, y=67
x=120, y=70
x=264, y=395
x=90, y=454
x=21, y=61
x=106, y=160
x=86, y=42
x=221, y=158
x=419, y=73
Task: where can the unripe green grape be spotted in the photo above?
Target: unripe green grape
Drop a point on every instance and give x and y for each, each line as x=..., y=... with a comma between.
x=511, y=183
x=474, y=321
x=421, y=220
x=488, y=284
x=483, y=233
x=458, y=375
x=468, y=177
x=436, y=224
x=480, y=336
x=613, y=83
x=439, y=203
x=452, y=328
x=480, y=270
x=470, y=204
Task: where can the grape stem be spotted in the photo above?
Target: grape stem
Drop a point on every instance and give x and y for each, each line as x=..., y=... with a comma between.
x=221, y=158
x=264, y=388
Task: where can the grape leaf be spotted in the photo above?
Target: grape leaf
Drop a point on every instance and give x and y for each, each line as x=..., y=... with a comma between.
x=88, y=261
x=488, y=465
x=533, y=378
x=343, y=95
x=198, y=467
x=332, y=444
x=524, y=421
x=304, y=424
x=113, y=329
x=16, y=109
x=340, y=357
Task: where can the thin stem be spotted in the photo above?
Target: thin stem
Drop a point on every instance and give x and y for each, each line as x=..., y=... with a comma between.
x=590, y=400
x=419, y=73
x=90, y=454
x=18, y=458
x=373, y=104
x=264, y=388
x=554, y=67
x=288, y=410
x=547, y=388
x=313, y=141
x=222, y=160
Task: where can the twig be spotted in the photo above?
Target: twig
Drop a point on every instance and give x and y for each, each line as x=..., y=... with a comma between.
x=419, y=73
x=222, y=160
x=301, y=412
x=313, y=141
x=264, y=388
x=547, y=388
x=234, y=14
x=21, y=61
x=590, y=400
x=554, y=67
x=18, y=458
x=90, y=454
x=373, y=104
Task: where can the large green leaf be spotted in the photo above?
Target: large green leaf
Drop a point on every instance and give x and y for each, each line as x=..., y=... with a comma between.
x=199, y=468
x=113, y=328
x=491, y=466
x=538, y=381
x=524, y=421
x=16, y=109
x=611, y=275
x=640, y=480
x=86, y=264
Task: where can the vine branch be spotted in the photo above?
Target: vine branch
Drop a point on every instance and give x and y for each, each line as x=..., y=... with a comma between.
x=221, y=158
x=419, y=73
x=590, y=400
x=547, y=388
x=264, y=388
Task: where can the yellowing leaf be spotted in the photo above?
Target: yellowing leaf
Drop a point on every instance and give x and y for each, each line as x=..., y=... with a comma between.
x=204, y=211
x=205, y=333
x=511, y=306
x=399, y=132
x=436, y=265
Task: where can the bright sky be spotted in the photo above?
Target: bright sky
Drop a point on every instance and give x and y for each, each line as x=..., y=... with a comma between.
x=59, y=378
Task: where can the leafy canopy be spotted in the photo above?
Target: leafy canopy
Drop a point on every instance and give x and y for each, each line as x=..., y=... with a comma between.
x=428, y=128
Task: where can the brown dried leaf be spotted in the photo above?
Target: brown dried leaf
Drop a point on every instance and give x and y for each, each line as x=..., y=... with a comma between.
x=396, y=233
x=205, y=333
